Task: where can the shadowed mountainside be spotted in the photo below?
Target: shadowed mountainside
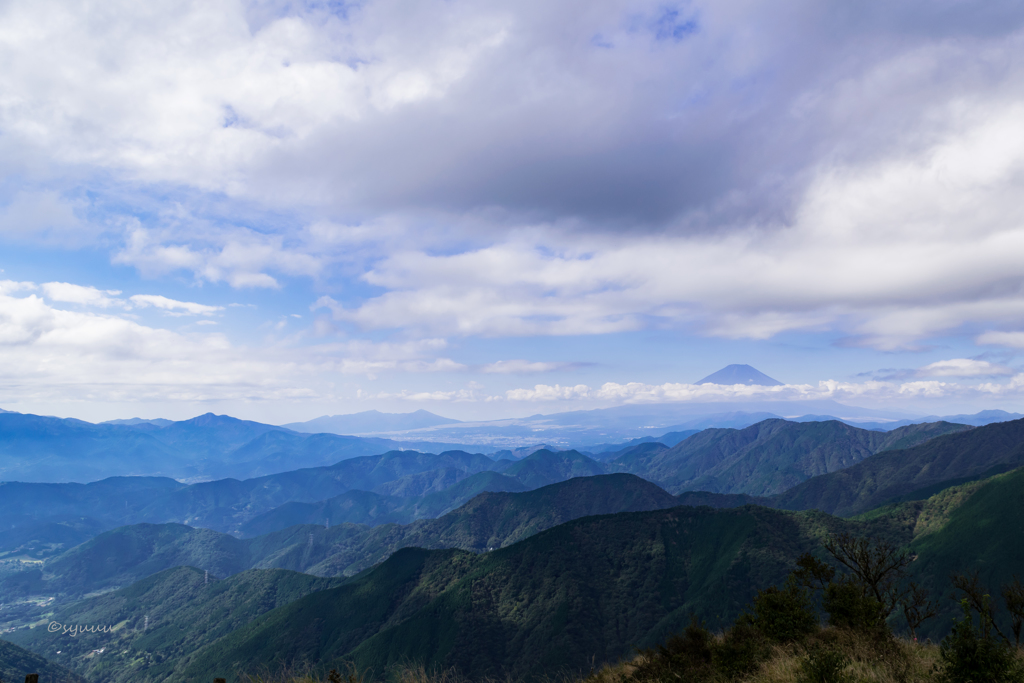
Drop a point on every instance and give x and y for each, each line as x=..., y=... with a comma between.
x=365, y=507
x=586, y=591
x=768, y=457
x=918, y=471
x=185, y=611
x=130, y=553
x=16, y=663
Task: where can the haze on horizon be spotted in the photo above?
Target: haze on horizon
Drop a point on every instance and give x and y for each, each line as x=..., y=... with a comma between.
x=280, y=210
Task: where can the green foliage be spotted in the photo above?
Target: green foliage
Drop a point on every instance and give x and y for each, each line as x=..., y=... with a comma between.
x=983, y=532
x=1013, y=595
x=742, y=649
x=951, y=458
x=583, y=591
x=972, y=654
x=16, y=663
x=185, y=613
x=824, y=665
x=768, y=457
x=849, y=606
x=785, y=614
x=683, y=657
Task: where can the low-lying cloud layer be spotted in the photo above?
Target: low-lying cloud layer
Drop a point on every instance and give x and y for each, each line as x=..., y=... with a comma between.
x=100, y=355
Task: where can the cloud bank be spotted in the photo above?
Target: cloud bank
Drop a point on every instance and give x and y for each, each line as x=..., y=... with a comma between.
x=468, y=172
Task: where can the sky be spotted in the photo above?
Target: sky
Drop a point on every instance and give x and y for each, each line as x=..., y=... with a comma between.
x=279, y=210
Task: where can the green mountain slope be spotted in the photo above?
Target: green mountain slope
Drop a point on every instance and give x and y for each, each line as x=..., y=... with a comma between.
x=352, y=507
x=489, y=520
x=926, y=468
x=130, y=553
x=226, y=504
x=981, y=528
x=582, y=592
x=365, y=507
x=768, y=457
x=184, y=614
x=436, y=504
x=719, y=500
x=494, y=520
x=126, y=554
x=16, y=663
x=545, y=467
x=39, y=540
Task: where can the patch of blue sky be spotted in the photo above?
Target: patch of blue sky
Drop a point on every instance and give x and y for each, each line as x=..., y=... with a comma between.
x=259, y=13
x=672, y=25
x=230, y=117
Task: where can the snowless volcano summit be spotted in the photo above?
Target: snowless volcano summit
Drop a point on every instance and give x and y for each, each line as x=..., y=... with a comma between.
x=740, y=374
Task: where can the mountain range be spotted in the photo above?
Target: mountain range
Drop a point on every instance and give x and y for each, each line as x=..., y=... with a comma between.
x=402, y=486
x=50, y=449
x=132, y=552
x=605, y=429
x=587, y=590
x=573, y=560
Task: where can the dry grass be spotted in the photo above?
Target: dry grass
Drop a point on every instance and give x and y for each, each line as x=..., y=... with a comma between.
x=894, y=661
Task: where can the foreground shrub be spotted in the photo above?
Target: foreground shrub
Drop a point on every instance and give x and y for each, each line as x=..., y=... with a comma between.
x=784, y=615
x=686, y=656
x=972, y=654
x=849, y=606
x=741, y=650
x=824, y=665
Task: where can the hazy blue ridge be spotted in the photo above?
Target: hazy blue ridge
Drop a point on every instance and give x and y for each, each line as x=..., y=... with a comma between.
x=370, y=421
x=130, y=553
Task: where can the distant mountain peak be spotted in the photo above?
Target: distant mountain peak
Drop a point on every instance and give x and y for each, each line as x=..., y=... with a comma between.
x=371, y=422
x=740, y=374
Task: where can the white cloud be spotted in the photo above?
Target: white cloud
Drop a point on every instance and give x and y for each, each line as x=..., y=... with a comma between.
x=548, y=168
x=638, y=392
x=360, y=357
x=10, y=286
x=45, y=216
x=454, y=396
x=77, y=294
x=52, y=353
x=891, y=252
x=173, y=307
x=1011, y=339
x=59, y=355
x=518, y=366
x=544, y=392
x=963, y=367
x=238, y=256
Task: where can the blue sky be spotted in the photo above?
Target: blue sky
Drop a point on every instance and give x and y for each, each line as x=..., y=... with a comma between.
x=279, y=210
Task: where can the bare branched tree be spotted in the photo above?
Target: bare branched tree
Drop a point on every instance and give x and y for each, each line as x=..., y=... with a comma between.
x=879, y=565
x=917, y=608
x=1013, y=595
x=969, y=585
x=813, y=573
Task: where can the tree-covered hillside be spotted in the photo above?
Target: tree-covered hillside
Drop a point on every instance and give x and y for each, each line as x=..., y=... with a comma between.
x=912, y=473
